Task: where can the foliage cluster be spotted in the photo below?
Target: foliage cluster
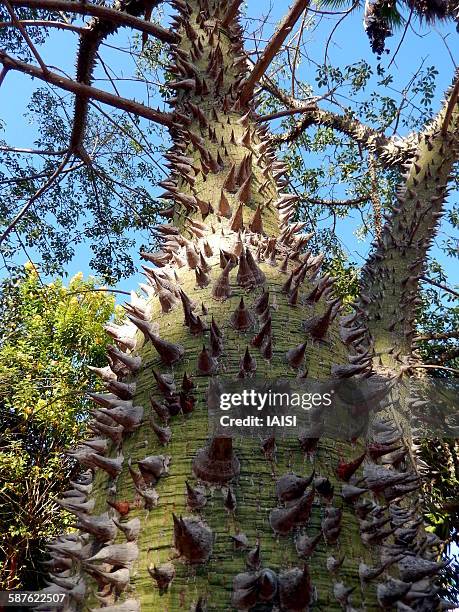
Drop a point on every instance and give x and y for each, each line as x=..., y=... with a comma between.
x=50, y=333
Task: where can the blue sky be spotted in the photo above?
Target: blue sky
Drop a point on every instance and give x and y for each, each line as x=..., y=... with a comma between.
x=348, y=45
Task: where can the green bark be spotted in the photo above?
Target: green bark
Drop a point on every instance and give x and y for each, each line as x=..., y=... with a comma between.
x=223, y=177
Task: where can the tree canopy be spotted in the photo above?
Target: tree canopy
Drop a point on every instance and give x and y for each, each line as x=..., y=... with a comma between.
x=50, y=334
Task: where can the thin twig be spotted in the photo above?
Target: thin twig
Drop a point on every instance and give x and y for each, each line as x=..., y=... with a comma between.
x=350, y=202
x=439, y=336
x=3, y=73
x=102, y=290
x=429, y=366
x=439, y=285
x=35, y=197
x=111, y=15
x=450, y=108
x=33, y=151
x=403, y=37
x=272, y=48
x=43, y=23
x=27, y=38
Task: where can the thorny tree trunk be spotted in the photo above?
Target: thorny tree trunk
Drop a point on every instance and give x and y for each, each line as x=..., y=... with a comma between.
x=171, y=520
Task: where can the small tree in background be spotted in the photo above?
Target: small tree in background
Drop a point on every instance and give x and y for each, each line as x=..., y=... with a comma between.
x=49, y=335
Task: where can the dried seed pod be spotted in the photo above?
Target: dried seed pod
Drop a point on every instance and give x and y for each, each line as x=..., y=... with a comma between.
x=193, y=539
x=163, y=575
x=295, y=589
x=283, y=520
x=242, y=319
x=217, y=463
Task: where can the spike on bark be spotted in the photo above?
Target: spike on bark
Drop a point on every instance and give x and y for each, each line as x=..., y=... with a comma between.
x=242, y=319
x=217, y=463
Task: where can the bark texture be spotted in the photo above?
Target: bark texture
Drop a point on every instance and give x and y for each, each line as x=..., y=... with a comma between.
x=172, y=520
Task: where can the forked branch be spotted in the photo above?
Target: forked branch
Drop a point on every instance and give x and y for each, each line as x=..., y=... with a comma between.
x=112, y=16
x=272, y=48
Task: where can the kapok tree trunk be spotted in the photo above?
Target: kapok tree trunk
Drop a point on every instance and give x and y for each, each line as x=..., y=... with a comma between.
x=172, y=520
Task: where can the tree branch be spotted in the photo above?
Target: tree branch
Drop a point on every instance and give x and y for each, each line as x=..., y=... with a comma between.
x=112, y=16
x=87, y=91
x=272, y=48
x=232, y=12
x=439, y=285
x=442, y=336
x=26, y=37
x=35, y=197
x=350, y=202
x=390, y=151
x=32, y=151
x=42, y=23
